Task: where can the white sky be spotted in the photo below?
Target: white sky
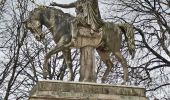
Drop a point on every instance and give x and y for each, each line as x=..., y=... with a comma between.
x=47, y=2
x=69, y=10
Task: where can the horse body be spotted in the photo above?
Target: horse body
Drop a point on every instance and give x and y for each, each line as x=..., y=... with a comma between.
x=59, y=25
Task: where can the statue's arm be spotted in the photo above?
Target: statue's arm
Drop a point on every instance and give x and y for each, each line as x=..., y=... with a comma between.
x=92, y=1
x=71, y=5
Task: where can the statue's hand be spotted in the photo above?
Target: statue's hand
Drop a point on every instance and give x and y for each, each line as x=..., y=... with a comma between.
x=53, y=4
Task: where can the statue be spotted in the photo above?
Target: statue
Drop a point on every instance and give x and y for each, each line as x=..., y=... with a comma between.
x=88, y=15
x=60, y=28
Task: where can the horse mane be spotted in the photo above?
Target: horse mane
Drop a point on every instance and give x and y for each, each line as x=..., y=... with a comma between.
x=56, y=11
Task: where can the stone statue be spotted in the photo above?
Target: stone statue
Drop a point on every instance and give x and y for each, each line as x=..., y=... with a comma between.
x=61, y=31
x=88, y=15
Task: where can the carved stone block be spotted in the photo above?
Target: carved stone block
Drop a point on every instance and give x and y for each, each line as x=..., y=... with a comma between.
x=57, y=90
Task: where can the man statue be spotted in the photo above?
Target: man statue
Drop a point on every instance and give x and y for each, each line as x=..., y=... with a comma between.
x=88, y=15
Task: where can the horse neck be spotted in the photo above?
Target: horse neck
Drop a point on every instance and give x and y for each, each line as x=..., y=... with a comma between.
x=52, y=21
x=49, y=23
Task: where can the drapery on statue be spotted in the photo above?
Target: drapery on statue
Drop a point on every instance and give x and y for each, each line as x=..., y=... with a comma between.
x=88, y=15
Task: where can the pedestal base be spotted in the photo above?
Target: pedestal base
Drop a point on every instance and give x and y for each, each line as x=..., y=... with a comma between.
x=58, y=90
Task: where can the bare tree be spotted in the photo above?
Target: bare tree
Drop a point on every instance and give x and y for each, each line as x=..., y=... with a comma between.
x=22, y=56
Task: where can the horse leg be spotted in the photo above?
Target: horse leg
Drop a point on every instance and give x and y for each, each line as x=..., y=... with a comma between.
x=123, y=61
x=67, y=57
x=47, y=57
x=104, y=55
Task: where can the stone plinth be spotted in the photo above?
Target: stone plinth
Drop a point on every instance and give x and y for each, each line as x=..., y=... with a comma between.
x=58, y=90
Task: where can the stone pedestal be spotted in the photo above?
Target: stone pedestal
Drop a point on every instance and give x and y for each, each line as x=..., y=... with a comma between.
x=58, y=90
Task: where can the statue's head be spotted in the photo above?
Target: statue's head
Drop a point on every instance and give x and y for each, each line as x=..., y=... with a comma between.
x=33, y=23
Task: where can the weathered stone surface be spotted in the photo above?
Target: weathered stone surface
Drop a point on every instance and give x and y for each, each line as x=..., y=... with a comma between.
x=88, y=64
x=85, y=38
x=87, y=42
x=57, y=90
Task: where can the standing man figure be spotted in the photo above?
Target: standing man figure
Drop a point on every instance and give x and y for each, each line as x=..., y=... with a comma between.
x=88, y=15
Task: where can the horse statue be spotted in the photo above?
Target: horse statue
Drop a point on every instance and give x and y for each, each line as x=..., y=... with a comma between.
x=59, y=24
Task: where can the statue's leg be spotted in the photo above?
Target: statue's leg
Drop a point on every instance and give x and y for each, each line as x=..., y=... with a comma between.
x=54, y=50
x=67, y=57
x=59, y=46
x=123, y=61
x=74, y=28
x=104, y=55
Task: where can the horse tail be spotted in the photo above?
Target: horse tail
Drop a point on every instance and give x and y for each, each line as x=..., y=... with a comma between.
x=128, y=31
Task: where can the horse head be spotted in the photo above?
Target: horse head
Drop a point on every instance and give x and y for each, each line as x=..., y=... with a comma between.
x=34, y=24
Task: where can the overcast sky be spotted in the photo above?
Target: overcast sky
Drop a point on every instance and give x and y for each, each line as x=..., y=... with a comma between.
x=70, y=10
x=47, y=2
